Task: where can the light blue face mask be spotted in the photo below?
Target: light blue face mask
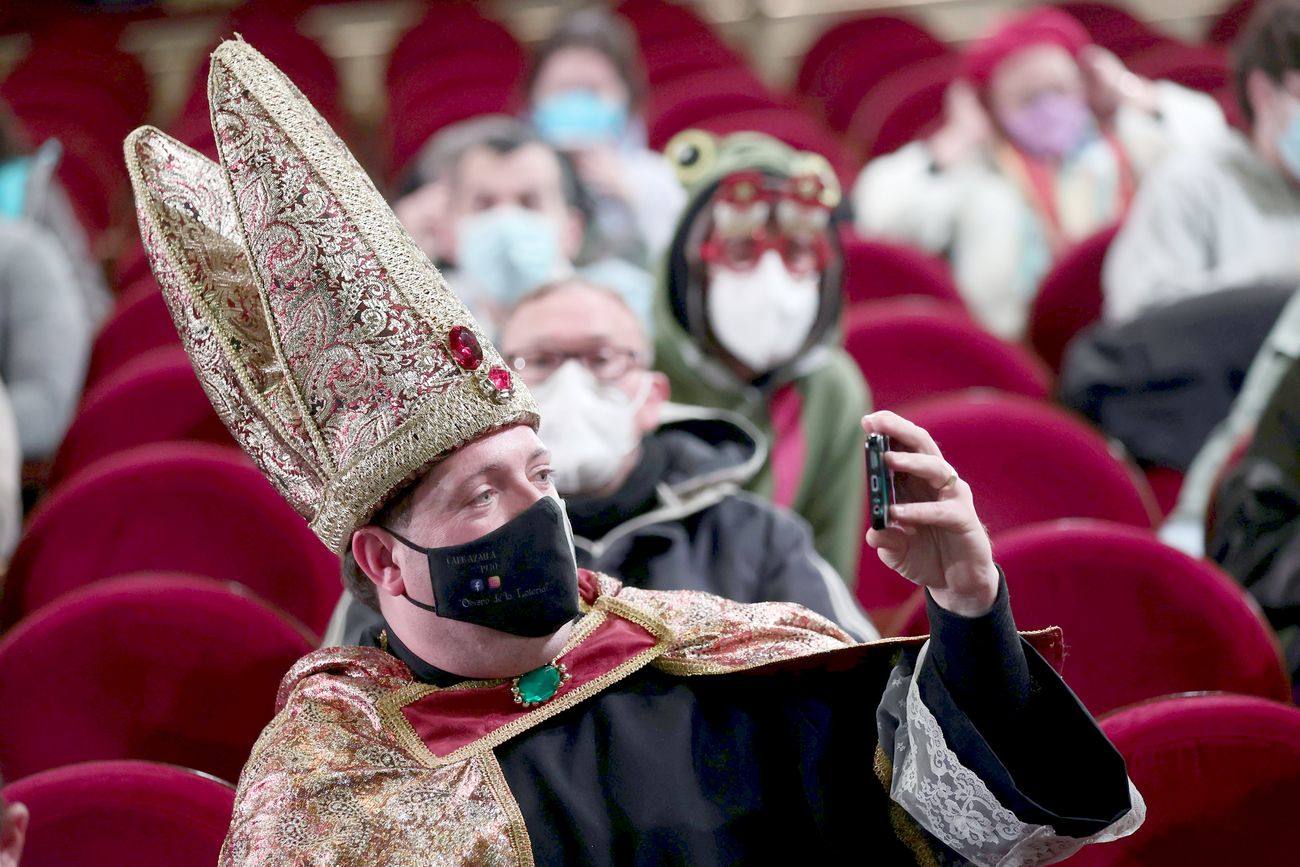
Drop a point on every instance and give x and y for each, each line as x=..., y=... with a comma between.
x=508, y=251
x=578, y=119
x=1288, y=143
x=13, y=187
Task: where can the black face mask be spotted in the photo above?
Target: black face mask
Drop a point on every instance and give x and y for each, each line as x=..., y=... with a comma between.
x=520, y=578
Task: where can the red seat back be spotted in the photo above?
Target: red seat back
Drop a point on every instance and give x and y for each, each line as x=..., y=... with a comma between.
x=876, y=270
x=1200, y=67
x=1069, y=298
x=134, y=327
x=1220, y=775
x=1027, y=462
x=902, y=107
x=909, y=350
x=155, y=397
x=849, y=39
x=1112, y=27
x=123, y=814
x=685, y=102
x=189, y=507
x=1140, y=619
x=849, y=78
x=168, y=669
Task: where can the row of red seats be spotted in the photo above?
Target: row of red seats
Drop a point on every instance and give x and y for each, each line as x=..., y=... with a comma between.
x=880, y=80
x=1217, y=774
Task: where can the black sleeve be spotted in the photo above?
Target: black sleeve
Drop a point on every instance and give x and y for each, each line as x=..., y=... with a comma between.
x=1009, y=717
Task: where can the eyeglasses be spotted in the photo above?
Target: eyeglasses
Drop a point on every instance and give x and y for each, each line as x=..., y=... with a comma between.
x=606, y=363
x=802, y=256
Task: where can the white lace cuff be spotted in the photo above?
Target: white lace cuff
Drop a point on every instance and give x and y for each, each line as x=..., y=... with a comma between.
x=952, y=803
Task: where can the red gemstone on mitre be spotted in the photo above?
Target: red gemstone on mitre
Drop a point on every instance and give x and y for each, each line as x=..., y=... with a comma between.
x=500, y=378
x=464, y=347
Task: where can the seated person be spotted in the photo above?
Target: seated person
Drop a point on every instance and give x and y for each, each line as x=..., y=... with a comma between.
x=1185, y=528
x=1043, y=144
x=513, y=216
x=1226, y=217
x=1256, y=532
x=747, y=321
x=652, y=500
x=585, y=92
x=44, y=335
x=513, y=708
x=30, y=191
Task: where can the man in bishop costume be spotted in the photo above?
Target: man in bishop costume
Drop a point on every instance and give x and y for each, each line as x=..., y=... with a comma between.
x=513, y=709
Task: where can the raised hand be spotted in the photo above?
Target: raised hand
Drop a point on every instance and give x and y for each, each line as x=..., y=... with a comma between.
x=935, y=539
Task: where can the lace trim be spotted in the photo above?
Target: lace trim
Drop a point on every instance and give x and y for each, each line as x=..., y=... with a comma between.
x=951, y=802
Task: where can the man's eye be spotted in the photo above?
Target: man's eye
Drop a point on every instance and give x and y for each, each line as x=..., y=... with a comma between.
x=484, y=498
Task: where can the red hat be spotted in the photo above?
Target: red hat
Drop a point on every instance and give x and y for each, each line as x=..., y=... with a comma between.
x=1043, y=26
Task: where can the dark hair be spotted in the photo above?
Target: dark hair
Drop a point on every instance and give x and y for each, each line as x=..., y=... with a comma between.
x=396, y=510
x=601, y=31
x=505, y=141
x=1271, y=44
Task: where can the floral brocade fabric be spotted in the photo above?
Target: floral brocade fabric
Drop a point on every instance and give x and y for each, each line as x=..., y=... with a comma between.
x=325, y=339
x=330, y=781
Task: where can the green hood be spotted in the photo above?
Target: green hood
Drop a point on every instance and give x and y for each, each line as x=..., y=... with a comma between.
x=685, y=348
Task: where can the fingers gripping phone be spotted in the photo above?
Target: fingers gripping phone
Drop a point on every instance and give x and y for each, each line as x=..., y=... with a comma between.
x=880, y=481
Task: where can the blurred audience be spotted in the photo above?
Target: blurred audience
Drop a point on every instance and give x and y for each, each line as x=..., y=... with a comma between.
x=1256, y=531
x=1161, y=383
x=13, y=830
x=1043, y=143
x=1185, y=527
x=1229, y=216
x=585, y=93
x=44, y=335
x=651, y=489
x=748, y=316
x=507, y=213
x=30, y=191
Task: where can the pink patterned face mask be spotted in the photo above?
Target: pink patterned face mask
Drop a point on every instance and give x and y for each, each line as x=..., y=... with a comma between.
x=1051, y=125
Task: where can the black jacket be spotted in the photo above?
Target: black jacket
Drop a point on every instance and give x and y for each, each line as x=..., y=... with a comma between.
x=1256, y=531
x=698, y=530
x=1161, y=383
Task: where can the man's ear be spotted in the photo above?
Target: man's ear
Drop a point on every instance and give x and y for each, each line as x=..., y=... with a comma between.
x=650, y=414
x=373, y=548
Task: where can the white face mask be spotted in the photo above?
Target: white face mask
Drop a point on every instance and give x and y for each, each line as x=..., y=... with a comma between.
x=589, y=427
x=763, y=316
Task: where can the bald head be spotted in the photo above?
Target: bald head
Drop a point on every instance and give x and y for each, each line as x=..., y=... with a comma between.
x=572, y=315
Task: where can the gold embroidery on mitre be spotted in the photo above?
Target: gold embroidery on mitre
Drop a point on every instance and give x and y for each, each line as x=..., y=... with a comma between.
x=317, y=327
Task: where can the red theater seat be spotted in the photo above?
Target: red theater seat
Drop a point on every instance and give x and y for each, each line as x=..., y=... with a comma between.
x=848, y=79
x=1220, y=775
x=1113, y=27
x=855, y=38
x=902, y=107
x=909, y=349
x=123, y=814
x=1069, y=298
x=1027, y=462
x=875, y=270
x=155, y=397
x=166, y=669
x=140, y=323
x=189, y=507
x=1140, y=619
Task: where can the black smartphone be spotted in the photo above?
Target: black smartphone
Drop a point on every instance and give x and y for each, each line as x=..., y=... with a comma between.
x=880, y=481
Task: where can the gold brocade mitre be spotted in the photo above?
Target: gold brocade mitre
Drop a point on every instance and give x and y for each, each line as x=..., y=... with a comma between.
x=326, y=340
